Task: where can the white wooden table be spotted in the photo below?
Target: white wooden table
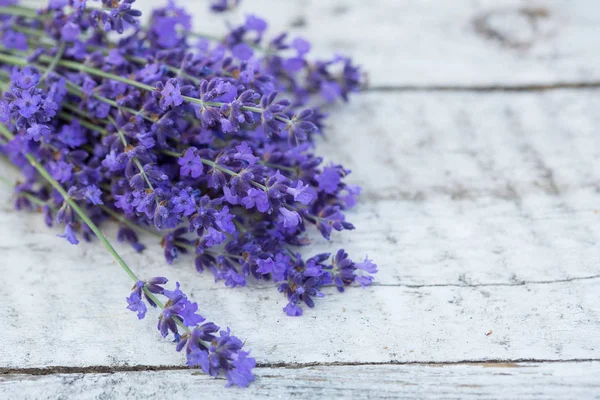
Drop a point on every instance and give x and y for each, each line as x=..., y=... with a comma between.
x=478, y=149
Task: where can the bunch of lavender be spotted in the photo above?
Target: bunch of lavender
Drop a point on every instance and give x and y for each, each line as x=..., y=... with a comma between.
x=205, y=142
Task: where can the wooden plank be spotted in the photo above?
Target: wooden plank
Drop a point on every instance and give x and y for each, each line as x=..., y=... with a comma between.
x=467, y=189
x=464, y=381
x=461, y=146
x=432, y=43
x=472, y=188
x=71, y=304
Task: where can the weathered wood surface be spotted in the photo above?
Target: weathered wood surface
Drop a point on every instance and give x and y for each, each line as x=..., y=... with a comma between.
x=426, y=43
x=481, y=209
x=494, y=381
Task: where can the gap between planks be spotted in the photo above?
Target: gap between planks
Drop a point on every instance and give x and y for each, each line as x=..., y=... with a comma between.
x=458, y=285
x=484, y=88
x=475, y=285
x=94, y=369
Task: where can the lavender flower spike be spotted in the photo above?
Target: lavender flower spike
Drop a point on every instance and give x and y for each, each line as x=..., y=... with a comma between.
x=214, y=354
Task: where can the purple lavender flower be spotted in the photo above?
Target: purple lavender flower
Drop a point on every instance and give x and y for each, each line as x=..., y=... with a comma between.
x=224, y=220
x=256, y=24
x=69, y=235
x=92, y=194
x=345, y=271
x=57, y=4
x=61, y=171
x=178, y=307
x=367, y=266
x=225, y=355
x=79, y=4
x=216, y=355
x=24, y=78
x=73, y=135
x=14, y=40
x=290, y=218
x=273, y=113
x=329, y=180
x=302, y=46
x=244, y=152
x=242, y=51
x=350, y=195
x=191, y=163
x=184, y=203
x=4, y=112
x=28, y=104
x=214, y=237
x=256, y=198
x=70, y=32
x=126, y=234
x=135, y=302
x=223, y=5
x=292, y=310
x=300, y=126
x=36, y=132
x=265, y=266
x=301, y=193
x=171, y=94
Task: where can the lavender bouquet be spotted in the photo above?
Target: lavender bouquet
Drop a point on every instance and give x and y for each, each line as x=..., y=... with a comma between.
x=204, y=142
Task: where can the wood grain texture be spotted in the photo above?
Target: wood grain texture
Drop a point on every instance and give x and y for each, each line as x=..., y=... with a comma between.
x=425, y=43
x=473, y=188
x=488, y=381
x=481, y=210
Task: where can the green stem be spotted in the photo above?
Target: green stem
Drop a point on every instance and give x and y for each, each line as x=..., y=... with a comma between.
x=107, y=75
x=31, y=32
x=5, y=181
x=277, y=166
x=12, y=59
x=46, y=175
x=135, y=159
x=83, y=123
x=132, y=225
x=32, y=198
x=171, y=153
x=43, y=40
x=216, y=166
x=55, y=60
x=71, y=87
x=19, y=12
x=30, y=13
x=76, y=91
x=141, y=168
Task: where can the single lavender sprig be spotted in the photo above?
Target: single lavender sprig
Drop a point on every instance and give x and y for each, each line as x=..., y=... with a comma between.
x=214, y=355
